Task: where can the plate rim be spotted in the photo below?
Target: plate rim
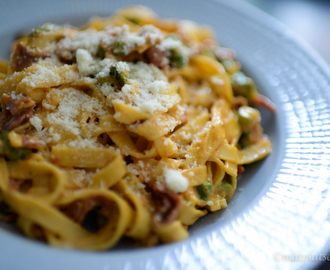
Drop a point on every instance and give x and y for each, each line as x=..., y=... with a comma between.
x=274, y=25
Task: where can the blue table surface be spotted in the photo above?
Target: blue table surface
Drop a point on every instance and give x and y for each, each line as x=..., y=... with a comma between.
x=308, y=18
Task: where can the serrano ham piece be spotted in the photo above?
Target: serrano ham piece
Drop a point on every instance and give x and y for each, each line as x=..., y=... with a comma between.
x=24, y=57
x=170, y=204
x=15, y=111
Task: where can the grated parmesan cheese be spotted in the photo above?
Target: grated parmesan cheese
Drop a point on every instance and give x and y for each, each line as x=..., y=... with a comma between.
x=82, y=178
x=85, y=62
x=129, y=40
x=146, y=88
x=56, y=137
x=157, y=87
x=52, y=61
x=123, y=67
x=14, y=96
x=151, y=33
x=131, y=168
x=36, y=122
x=175, y=181
x=175, y=44
x=84, y=143
x=140, y=186
x=88, y=40
x=72, y=104
x=44, y=74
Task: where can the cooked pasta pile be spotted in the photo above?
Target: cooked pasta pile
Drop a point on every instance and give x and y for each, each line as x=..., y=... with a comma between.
x=131, y=126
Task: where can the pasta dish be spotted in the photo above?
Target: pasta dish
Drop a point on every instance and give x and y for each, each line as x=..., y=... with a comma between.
x=130, y=126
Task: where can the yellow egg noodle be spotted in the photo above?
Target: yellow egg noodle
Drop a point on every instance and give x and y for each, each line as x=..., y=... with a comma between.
x=131, y=126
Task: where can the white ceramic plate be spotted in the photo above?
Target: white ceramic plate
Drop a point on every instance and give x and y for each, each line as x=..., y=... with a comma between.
x=281, y=206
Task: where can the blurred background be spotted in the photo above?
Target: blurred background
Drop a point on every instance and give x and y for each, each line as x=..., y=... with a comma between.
x=311, y=20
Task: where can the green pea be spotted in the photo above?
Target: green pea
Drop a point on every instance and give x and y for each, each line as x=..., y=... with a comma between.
x=9, y=152
x=204, y=191
x=243, y=85
x=119, y=77
x=102, y=79
x=225, y=190
x=177, y=59
x=119, y=48
x=248, y=117
x=100, y=52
